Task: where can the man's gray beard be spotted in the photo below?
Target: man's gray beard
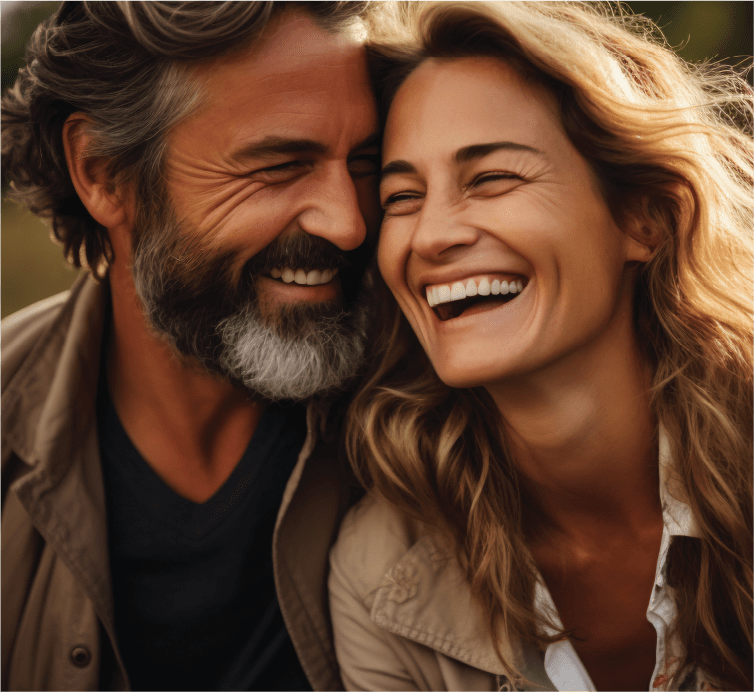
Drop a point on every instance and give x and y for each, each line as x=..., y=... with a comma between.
x=294, y=353
x=323, y=358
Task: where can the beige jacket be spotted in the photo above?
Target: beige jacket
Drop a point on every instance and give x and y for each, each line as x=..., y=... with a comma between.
x=404, y=618
x=402, y=614
x=57, y=609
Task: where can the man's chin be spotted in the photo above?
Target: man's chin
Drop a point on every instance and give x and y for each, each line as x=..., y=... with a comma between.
x=297, y=322
x=297, y=351
x=296, y=313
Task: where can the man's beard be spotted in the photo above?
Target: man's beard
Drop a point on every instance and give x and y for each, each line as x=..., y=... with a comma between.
x=293, y=351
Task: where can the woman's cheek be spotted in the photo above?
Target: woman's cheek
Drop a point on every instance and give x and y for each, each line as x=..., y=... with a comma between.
x=390, y=256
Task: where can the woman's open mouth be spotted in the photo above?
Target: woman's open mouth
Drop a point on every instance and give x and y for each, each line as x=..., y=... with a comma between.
x=484, y=292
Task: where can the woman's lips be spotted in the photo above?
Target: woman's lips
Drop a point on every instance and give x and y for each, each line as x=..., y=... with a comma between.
x=474, y=294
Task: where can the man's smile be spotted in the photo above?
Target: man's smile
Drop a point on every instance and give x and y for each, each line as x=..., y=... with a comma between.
x=302, y=291
x=313, y=277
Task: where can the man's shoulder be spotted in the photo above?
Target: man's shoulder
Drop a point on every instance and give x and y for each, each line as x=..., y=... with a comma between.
x=41, y=331
x=374, y=536
x=34, y=316
x=23, y=329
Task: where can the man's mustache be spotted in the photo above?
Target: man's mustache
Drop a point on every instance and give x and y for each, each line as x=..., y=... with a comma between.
x=196, y=279
x=300, y=251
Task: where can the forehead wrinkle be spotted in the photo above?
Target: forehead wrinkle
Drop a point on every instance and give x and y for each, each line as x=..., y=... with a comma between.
x=477, y=151
x=214, y=94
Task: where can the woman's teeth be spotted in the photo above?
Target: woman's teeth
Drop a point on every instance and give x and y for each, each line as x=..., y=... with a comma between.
x=460, y=290
x=315, y=277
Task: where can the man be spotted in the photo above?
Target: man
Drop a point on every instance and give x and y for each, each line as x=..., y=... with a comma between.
x=167, y=505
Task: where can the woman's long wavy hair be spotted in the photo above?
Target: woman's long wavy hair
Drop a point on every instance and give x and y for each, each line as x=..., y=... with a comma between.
x=671, y=144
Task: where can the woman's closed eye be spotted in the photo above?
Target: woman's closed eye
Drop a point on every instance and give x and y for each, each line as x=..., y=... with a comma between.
x=489, y=184
x=404, y=202
x=493, y=183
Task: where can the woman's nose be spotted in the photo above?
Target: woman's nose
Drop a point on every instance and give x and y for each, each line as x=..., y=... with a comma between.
x=440, y=228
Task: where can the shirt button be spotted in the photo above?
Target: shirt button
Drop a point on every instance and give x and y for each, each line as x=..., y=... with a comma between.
x=80, y=656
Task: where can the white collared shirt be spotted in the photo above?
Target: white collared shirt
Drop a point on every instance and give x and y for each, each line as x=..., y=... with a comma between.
x=562, y=663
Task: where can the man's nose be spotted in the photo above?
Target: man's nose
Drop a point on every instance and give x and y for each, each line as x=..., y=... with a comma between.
x=332, y=208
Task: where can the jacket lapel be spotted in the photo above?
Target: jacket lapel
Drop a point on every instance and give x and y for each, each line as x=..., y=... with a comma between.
x=49, y=422
x=425, y=598
x=313, y=506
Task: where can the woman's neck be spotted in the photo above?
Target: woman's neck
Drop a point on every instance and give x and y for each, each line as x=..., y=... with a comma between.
x=583, y=439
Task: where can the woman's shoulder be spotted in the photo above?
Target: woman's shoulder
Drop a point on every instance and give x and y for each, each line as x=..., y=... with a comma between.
x=374, y=536
x=402, y=611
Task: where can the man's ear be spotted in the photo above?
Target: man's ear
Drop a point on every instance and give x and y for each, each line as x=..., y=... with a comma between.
x=89, y=174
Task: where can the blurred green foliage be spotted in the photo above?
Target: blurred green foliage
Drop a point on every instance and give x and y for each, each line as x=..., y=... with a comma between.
x=33, y=267
x=704, y=31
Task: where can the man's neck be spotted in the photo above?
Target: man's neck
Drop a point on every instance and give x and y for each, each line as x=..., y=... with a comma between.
x=191, y=427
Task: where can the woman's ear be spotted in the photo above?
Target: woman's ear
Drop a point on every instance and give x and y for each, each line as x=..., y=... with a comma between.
x=638, y=235
x=90, y=175
x=636, y=251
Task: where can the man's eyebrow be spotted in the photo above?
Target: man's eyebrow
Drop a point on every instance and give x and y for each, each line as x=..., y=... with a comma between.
x=463, y=155
x=269, y=146
x=272, y=145
x=477, y=151
x=374, y=140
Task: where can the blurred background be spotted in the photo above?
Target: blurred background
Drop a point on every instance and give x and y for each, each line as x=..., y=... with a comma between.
x=32, y=267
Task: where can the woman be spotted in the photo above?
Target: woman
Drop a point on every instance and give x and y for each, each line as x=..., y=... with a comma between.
x=557, y=439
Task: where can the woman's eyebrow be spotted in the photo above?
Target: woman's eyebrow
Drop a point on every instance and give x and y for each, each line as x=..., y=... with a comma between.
x=397, y=166
x=477, y=151
x=463, y=155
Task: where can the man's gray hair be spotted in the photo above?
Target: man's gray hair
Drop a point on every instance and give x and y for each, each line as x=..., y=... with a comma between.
x=124, y=65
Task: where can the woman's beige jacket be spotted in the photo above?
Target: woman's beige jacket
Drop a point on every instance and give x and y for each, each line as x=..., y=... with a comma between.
x=402, y=614
x=404, y=618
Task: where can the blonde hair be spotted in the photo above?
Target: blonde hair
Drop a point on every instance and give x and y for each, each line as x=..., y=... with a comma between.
x=671, y=145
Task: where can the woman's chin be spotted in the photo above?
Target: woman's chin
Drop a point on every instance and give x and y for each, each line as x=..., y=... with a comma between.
x=462, y=376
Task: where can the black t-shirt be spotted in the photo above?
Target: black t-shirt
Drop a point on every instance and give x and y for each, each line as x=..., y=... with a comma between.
x=195, y=601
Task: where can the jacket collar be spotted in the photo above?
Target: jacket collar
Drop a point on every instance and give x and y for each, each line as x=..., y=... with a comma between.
x=425, y=596
x=49, y=421
x=50, y=403
x=314, y=502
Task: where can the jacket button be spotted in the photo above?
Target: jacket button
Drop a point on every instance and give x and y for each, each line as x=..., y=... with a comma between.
x=80, y=656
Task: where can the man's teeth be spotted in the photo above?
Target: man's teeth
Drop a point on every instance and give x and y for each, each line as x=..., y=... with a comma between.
x=460, y=290
x=315, y=277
